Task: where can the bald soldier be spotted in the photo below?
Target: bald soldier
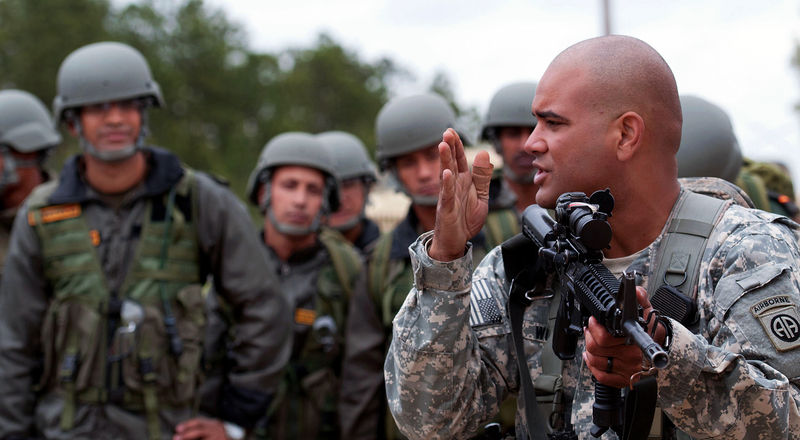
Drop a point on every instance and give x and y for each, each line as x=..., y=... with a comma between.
x=608, y=116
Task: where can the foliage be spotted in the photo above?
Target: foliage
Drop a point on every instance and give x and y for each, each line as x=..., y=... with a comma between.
x=224, y=101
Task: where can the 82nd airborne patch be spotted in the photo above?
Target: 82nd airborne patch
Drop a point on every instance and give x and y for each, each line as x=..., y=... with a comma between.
x=778, y=315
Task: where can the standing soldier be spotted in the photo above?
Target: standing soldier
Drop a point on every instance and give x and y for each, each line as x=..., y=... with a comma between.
x=508, y=124
x=27, y=136
x=408, y=131
x=356, y=174
x=295, y=187
x=101, y=310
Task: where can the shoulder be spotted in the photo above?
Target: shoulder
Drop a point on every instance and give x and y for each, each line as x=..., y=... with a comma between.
x=40, y=195
x=745, y=239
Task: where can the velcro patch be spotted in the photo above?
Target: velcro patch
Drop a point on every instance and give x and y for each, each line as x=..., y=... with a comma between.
x=305, y=316
x=778, y=315
x=50, y=214
x=483, y=307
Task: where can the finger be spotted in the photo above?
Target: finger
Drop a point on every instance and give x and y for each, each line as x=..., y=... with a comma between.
x=600, y=336
x=445, y=158
x=641, y=297
x=625, y=353
x=482, y=174
x=615, y=378
x=461, y=157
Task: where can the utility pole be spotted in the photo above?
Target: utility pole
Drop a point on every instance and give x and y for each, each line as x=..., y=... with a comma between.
x=606, y=17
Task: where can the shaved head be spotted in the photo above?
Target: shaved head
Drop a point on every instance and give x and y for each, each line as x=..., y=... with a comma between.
x=629, y=75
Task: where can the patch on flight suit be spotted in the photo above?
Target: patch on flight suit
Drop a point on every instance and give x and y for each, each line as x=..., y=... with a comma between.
x=778, y=315
x=483, y=307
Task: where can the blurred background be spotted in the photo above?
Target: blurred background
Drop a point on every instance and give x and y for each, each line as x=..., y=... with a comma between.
x=234, y=73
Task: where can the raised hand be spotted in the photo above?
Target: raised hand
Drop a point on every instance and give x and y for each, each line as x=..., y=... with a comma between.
x=463, y=198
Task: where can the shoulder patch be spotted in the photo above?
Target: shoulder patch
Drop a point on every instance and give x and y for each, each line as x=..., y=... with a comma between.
x=483, y=306
x=778, y=315
x=50, y=214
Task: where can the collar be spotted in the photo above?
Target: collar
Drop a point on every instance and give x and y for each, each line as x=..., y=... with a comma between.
x=164, y=171
x=369, y=234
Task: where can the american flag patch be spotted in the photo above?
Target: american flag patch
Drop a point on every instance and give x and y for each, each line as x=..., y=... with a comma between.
x=483, y=307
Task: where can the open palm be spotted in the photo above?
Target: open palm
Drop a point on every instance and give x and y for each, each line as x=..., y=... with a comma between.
x=463, y=198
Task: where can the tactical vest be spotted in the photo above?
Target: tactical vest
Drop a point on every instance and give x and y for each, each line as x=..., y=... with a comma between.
x=139, y=348
x=676, y=263
x=305, y=403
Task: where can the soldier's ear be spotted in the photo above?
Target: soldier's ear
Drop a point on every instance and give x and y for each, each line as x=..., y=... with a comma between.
x=629, y=134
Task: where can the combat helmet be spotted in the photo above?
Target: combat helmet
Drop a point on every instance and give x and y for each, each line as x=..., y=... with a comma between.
x=26, y=127
x=352, y=162
x=408, y=124
x=100, y=73
x=509, y=107
x=708, y=145
x=294, y=148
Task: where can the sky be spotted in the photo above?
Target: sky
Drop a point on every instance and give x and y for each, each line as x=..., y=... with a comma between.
x=734, y=53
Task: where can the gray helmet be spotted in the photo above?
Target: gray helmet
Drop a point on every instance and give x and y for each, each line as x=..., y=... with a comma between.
x=25, y=123
x=708, y=145
x=350, y=156
x=99, y=73
x=352, y=162
x=411, y=123
x=103, y=72
x=294, y=148
x=510, y=106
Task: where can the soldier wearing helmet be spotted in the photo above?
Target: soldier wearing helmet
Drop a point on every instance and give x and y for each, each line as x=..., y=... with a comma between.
x=408, y=131
x=507, y=126
x=101, y=308
x=26, y=138
x=709, y=148
x=356, y=174
x=294, y=185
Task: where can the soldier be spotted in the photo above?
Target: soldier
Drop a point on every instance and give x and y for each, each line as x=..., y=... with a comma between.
x=730, y=376
x=407, y=131
x=508, y=124
x=356, y=174
x=27, y=137
x=101, y=310
x=295, y=187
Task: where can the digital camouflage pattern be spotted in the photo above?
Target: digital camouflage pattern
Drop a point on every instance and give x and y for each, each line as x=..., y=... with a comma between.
x=725, y=379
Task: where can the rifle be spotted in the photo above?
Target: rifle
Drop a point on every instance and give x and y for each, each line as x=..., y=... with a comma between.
x=570, y=247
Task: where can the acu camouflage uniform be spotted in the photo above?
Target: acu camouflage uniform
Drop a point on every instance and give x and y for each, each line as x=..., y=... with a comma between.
x=389, y=278
x=734, y=375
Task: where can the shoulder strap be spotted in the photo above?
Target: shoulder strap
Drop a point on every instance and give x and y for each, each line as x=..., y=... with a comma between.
x=677, y=260
x=516, y=251
x=346, y=262
x=379, y=266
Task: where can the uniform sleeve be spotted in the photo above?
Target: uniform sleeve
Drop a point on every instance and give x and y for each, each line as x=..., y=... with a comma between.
x=441, y=380
x=23, y=302
x=245, y=278
x=739, y=377
x=361, y=395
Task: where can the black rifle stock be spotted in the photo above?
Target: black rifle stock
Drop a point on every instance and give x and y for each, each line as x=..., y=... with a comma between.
x=571, y=248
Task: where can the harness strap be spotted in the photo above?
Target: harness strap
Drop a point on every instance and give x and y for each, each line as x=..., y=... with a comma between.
x=69, y=369
x=516, y=253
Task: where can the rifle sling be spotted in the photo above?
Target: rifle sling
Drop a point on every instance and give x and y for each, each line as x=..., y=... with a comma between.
x=516, y=252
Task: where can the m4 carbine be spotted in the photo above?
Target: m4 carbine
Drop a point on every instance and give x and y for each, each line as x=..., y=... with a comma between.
x=570, y=247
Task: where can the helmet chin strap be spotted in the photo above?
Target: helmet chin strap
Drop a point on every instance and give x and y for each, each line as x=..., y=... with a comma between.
x=118, y=154
x=517, y=178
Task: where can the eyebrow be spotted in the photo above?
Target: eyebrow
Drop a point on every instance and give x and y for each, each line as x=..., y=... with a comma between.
x=549, y=114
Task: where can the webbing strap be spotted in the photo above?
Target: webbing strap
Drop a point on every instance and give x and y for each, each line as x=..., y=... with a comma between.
x=69, y=366
x=534, y=422
x=677, y=261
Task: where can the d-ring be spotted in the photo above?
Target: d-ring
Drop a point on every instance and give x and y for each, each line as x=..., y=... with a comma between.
x=609, y=364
